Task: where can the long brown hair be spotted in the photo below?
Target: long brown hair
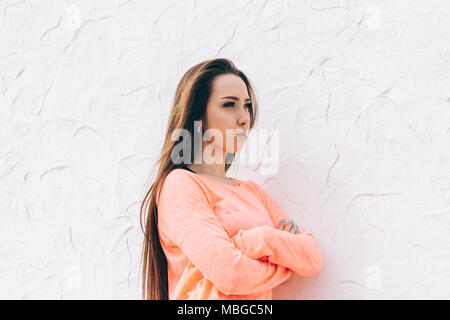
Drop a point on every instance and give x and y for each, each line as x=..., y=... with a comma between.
x=189, y=105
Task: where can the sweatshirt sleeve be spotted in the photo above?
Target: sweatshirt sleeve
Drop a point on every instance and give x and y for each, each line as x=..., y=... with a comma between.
x=299, y=252
x=185, y=216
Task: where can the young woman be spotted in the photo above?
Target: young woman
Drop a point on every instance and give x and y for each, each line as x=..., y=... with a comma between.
x=208, y=236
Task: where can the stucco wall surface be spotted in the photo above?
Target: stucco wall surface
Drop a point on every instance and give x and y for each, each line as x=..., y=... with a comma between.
x=358, y=91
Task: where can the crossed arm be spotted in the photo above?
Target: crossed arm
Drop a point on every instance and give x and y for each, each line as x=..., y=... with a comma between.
x=299, y=252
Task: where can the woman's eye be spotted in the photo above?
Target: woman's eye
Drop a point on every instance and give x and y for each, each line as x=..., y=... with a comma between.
x=231, y=104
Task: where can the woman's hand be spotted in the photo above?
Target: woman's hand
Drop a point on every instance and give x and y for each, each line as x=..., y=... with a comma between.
x=289, y=227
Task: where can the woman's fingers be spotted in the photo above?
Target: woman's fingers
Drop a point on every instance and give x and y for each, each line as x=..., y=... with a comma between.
x=289, y=227
x=281, y=224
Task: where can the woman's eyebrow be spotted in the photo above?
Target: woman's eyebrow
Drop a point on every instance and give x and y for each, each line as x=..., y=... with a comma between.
x=234, y=98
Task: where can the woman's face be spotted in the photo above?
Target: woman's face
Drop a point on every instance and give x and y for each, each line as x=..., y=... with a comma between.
x=228, y=108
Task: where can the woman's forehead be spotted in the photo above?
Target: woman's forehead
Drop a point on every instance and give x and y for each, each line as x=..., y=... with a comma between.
x=229, y=85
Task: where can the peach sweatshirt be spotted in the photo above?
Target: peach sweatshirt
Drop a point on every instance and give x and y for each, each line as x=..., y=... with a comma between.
x=197, y=216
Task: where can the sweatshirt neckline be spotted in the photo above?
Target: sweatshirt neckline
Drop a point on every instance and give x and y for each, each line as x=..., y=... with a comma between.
x=223, y=183
x=219, y=182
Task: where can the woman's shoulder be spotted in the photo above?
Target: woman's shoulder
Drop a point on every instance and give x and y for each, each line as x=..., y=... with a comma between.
x=252, y=184
x=179, y=173
x=256, y=189
x=182, y=178
x=183, y=181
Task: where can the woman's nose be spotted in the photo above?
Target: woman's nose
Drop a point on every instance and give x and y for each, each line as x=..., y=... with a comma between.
x=243, y=117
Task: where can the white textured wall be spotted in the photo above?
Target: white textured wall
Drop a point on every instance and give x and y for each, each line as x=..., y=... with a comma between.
x=359, y=90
